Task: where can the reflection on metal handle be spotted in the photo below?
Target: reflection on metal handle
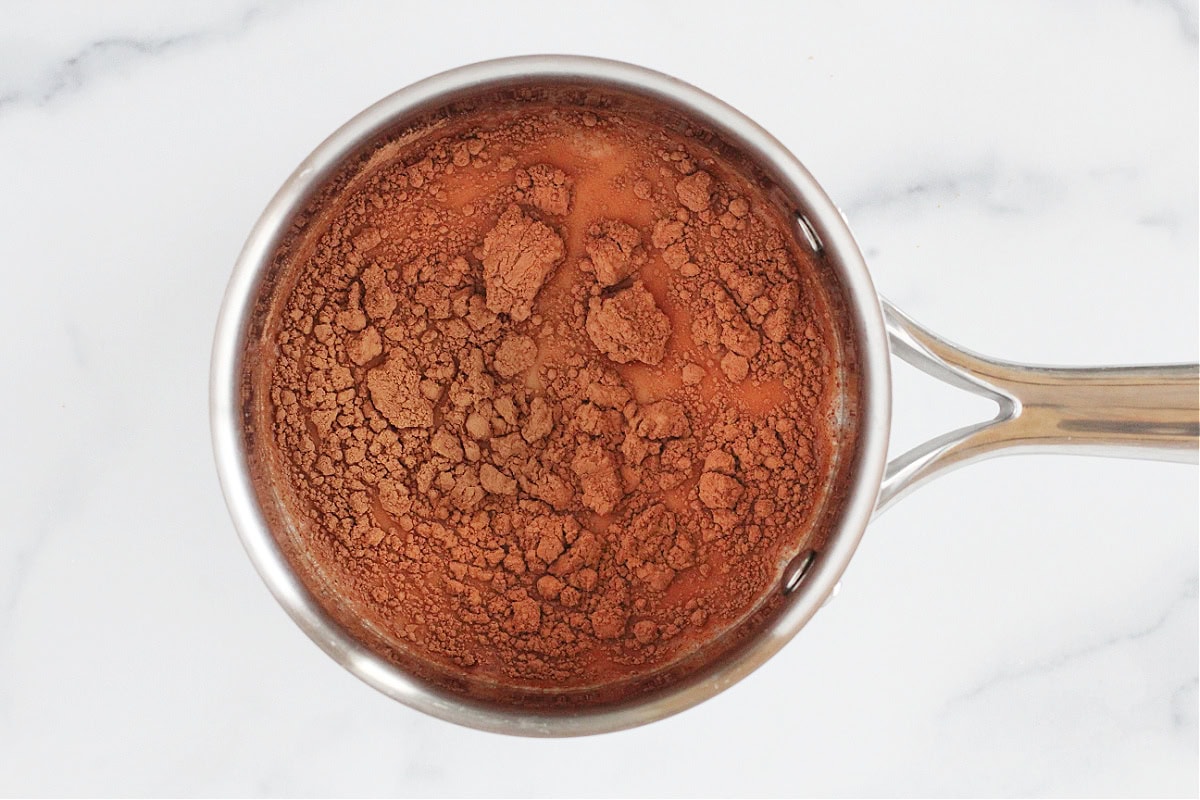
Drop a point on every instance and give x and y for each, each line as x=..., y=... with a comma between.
x=1148, y=412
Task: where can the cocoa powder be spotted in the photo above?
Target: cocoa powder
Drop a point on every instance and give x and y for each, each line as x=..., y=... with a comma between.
x=549, y=397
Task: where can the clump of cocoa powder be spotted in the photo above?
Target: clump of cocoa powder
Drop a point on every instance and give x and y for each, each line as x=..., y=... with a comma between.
x=548, y=429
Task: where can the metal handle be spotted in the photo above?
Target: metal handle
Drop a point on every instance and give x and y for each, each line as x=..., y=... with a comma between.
x=1150, y=412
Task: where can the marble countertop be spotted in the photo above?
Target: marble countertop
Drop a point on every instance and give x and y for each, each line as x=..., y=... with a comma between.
x=1022, y=178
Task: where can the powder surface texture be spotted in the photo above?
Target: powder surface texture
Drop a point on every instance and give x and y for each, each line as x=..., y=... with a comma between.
x=550, y=397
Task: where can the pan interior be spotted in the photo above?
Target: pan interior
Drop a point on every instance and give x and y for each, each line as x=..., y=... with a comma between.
x=311, y=217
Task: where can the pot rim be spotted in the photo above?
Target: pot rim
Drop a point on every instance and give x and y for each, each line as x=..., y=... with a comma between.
x=863, y=308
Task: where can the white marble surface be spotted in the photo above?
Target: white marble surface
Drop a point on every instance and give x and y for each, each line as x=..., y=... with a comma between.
x=1023, y=178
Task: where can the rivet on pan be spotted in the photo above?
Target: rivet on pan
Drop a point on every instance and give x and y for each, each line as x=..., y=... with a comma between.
x=794, y=574
x=810, y=233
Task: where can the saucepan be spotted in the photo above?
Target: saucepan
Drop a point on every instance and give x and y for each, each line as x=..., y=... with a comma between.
x=1142, y=412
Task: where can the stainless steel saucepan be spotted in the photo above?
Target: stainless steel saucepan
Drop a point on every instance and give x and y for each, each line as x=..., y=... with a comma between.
x=1142, y=412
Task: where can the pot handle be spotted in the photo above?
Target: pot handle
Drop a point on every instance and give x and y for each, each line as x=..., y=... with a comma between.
x=1150, y=412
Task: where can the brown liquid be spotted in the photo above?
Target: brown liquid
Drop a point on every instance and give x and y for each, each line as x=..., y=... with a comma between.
x=547, y=403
